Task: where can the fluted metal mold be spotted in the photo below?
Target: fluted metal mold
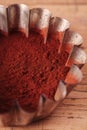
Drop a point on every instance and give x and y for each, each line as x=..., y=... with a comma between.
x=40, y=20
x=57, y=29
x=3, y=20
x=18, y=18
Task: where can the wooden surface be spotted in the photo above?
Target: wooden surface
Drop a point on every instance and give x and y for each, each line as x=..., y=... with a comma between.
x=72, y=113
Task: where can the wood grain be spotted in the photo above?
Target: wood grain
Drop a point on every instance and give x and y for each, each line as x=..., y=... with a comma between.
x=6, y=128
x=72, y=113
x=45, y=2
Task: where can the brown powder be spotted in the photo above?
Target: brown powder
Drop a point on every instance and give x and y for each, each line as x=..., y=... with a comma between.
x=29, y=68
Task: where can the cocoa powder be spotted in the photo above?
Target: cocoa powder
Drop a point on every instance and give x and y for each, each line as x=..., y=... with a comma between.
x=29, y=68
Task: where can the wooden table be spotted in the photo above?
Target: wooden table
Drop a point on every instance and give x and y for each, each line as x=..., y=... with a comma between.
x=72, y=113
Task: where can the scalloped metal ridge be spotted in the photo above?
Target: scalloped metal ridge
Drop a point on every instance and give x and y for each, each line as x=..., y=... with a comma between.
x=41, y=20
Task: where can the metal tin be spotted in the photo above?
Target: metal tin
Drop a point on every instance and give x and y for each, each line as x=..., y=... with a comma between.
x=40, y=19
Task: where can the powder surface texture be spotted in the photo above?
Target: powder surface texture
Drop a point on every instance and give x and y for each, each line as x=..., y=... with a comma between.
x=29, y=68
